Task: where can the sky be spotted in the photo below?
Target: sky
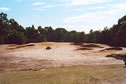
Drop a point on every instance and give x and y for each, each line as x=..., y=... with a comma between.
x=79, y=15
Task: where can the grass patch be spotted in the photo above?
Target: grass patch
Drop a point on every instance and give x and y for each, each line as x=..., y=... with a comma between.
x=65, y=75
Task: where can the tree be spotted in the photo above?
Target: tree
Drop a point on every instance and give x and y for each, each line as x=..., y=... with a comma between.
x=4, y=28
x=96, y=36
x=71, y=36
x=12, y=32
x=15, y=26
x=80, y=37
x=122, y=20
x=121, y=36
x=42, y=33
x=16, y=38
x=89, y=37
x=49, y=33
x=60, y=34
x=105, y=36
x=32, y=34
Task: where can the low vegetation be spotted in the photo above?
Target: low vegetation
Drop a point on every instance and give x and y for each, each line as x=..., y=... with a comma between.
x=113, y=48
x=110, y=74
x=117, y=56
x=48, y=48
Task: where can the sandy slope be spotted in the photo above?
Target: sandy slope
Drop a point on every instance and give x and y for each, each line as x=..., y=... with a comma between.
x=61, y=54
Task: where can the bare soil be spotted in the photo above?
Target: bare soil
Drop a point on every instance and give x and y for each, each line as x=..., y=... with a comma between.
x=35, y=56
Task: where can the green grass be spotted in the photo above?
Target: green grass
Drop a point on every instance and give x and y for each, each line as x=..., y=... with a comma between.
x=65, y=75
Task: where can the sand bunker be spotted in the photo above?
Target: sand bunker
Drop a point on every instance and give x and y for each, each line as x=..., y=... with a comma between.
x=28, y=56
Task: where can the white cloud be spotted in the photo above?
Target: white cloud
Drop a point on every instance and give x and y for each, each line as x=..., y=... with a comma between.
x=79, y=28
x=98, y=19
x=87, y=2
x=70, y=3
x=38, y=4
x=79, y=9
x=88, y=17
x=116, y=9
x=98, y=16
x=121, y=6
x=61, y=5
x=112, y=11
x=4, y=9
x=38, y=9
x=99, y=7
x=94, y=20
x=48, y=6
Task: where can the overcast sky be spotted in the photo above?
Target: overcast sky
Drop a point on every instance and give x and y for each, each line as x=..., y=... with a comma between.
x=80, y=15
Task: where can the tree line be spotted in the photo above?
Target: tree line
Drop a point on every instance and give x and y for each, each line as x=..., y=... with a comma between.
x=13, y=33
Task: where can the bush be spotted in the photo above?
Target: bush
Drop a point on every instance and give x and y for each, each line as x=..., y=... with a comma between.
x=16, y=38
x=48, y=48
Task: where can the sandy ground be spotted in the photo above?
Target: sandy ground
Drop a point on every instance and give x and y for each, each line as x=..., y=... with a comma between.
x=35, y=55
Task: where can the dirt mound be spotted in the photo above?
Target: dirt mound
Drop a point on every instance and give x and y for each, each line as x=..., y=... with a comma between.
x=48, y=48
x=77, y=43
x=117, y=56
x=84, y=49
x=92, y=45
x=86, y=46
x=19, y=46
x=113, y=48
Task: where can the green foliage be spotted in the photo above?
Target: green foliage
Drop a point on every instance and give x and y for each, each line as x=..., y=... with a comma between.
x=49, y=33
x=115, y=36
x=121, y=35
x=16, y=38
x=71, y=36
x=12, y=32
x=32, y=34
x=4, y=28
x=60, y=34
x=122, y=20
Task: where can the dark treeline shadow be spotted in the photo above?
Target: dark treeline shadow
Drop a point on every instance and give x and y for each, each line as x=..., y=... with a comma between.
x=117, y=56
x=13, y=33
